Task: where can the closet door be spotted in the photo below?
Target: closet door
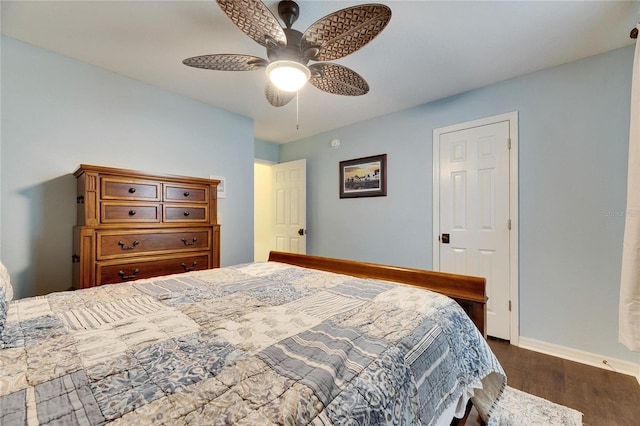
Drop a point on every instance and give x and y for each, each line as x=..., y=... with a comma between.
x=474, y=213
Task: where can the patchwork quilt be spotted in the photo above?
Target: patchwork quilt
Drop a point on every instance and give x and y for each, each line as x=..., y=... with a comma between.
x=254, y=344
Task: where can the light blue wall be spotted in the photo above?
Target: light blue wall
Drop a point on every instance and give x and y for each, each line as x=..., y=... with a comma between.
x=268, y=151
x=58, y=113
x=573, y=139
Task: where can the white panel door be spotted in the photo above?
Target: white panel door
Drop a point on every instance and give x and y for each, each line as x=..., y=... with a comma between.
x=474, y=213
x=290, y=204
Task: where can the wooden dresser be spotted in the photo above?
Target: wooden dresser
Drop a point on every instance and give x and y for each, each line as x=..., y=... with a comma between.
x=134, y=225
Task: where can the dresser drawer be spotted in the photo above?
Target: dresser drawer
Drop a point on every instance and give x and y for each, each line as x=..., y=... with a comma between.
x=129, y=189
x=186, y=213
x=120, y=244
x=112, y=273
x=186, y=193
x=114, y=212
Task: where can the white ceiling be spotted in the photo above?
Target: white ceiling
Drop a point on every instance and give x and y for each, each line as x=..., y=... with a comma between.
x=429, y=50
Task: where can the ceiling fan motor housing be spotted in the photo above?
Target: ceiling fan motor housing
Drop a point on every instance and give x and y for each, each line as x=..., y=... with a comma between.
x=291, y=52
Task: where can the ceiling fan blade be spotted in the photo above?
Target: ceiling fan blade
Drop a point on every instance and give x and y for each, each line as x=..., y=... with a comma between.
x=226, y=62
x=336, y=79
x=345, y=31
x=255, y=20
x=277, y=97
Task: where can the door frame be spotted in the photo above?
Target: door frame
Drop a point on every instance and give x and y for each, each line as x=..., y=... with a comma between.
x=512, y=118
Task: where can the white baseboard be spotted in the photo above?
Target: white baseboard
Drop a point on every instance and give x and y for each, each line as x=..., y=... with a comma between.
x=583, y=357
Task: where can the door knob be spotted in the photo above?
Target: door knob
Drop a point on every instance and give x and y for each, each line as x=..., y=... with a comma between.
x=301, y=231
x=445, y=239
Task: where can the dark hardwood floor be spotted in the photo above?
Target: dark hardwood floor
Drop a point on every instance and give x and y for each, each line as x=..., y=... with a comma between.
x=604, y=397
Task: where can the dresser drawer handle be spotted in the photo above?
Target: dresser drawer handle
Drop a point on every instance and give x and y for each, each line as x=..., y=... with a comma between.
x=189, y=269
x=128, y=277
x=132, y=212
x=186, y=213
x=123, y=247
x=186, y=193
x=186, y=243
x=132, y=190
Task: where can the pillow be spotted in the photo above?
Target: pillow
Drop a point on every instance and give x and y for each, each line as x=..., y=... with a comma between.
x=3, y=311
x=5, y=282
x=6, y=294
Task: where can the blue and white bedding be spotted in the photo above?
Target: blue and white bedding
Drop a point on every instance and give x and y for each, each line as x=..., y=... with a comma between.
x=255, y=344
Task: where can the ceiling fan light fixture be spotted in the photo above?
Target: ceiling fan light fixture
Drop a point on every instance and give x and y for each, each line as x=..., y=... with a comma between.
x=289, y=76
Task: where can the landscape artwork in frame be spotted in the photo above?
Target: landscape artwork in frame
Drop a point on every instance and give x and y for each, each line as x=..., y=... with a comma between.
x=364, y=177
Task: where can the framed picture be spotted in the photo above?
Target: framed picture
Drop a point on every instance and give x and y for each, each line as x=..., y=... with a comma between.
x=364, y=177
x=222, y=187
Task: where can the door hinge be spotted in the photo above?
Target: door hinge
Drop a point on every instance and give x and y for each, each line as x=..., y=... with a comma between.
x=509, y=305
x=509, y=143
x=509, y=224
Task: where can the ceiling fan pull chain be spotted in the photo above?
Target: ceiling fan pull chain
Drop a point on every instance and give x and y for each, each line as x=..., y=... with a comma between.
x=297, y=112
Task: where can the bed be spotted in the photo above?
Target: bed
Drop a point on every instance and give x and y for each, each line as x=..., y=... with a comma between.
x=295, y=340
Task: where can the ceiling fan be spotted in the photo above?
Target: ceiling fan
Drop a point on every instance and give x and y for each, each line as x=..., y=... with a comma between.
x=289, y=51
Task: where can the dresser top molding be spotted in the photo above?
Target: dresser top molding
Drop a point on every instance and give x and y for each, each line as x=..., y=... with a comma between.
x=140, y=174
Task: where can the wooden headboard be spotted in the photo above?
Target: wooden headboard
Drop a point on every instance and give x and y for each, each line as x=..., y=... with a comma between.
x=468, y=291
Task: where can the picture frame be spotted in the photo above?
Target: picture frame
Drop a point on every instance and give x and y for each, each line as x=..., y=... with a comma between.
x=222, y=186
x=364, y=177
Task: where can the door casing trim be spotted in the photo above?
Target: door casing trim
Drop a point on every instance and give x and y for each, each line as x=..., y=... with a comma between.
x=512, y=118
